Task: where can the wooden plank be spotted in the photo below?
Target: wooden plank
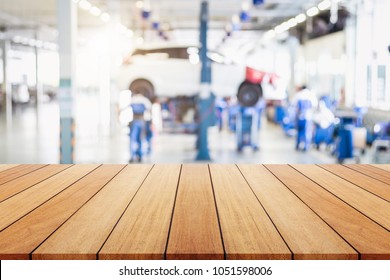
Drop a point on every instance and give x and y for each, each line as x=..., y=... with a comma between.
x=385, y=167
x=26, y=181
x=19, y=205
x=21, y=238
x=368, y=238
x=365, y=182
x=305, y=233
x=372, y=206
x=7, y=166
x=84, y=233
x=18, y=171
x=371, y=171
x=195, y=232
x=247, y=231
x=142, y=232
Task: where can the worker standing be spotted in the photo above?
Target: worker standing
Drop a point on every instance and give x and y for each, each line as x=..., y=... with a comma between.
x=305, y=103
x=141, y=106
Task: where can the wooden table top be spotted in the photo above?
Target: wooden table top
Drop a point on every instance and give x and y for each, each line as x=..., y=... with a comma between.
x=194, y=211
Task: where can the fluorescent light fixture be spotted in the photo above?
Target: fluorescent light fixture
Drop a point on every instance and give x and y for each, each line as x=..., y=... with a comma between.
x=292, y=22
x=17, y=39
x=85, y=5
x=312, y=11
x=39, y=43
x=140, y=40
x=95, y=11
x=279, y=29
x=129, y=33
x=245, y=6
x=32, y=42
x=270, y=34
x=121, y=28
x=300, y=18
x=25, y=41
x=285, y=26
x=139, y=4
x=324, y=5
x=105, y=17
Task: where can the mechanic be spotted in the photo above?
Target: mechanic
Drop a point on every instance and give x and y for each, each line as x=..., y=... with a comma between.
x=305, y=103
x=141, y=106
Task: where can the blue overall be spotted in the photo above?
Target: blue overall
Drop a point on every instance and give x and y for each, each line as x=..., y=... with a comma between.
x=148, y=135
x=137, y=128
x=304, y=125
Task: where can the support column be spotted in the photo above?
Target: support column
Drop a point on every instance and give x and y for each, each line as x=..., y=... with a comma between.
x=206, y=100
x=6, y=86
x=67, y=34
x=38, y=82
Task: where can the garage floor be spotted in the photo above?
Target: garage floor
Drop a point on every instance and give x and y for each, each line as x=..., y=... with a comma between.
x=33, y=138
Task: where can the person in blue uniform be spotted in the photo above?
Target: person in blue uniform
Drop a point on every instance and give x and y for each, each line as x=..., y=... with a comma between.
x=140, y=107
x=305, y=103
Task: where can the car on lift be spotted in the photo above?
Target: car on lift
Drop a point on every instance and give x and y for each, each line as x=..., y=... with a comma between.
x=173, y=71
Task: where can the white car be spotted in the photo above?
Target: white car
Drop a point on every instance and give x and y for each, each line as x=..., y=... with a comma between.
x=175, y=71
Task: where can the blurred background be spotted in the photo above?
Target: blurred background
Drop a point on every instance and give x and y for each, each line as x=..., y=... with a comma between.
x=224, y=81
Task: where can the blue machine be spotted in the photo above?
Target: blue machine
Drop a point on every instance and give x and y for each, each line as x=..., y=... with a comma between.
x=304, y=125
x=248, y=123
x=323, y=135
x=289, y=121
x=344, y=140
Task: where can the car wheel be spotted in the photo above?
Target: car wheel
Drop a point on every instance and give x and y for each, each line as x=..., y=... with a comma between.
x=143, y=87
x=249, y=94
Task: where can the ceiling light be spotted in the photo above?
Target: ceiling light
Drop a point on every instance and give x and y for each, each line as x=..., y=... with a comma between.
x=140, y=40
x=32, y=42
x=17, y=39
x=292, y=22
x=279, y=29
x=95, y=11
x=76, y=1
x=39, y=43
x=324, y=5
x=105, y=17
x=85, y=5
x=269, y=34
x=300, y=18
x=129, y=33
x=312, y=11
x=139, y=4
x=245, y=6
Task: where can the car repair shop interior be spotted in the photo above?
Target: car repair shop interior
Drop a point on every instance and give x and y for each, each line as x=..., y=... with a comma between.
x=170, y=81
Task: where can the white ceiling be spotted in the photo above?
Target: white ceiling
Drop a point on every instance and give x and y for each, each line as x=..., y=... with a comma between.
x=180, y=14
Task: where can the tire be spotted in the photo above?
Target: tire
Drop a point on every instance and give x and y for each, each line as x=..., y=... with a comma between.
x=249, y=94
x=143, y=87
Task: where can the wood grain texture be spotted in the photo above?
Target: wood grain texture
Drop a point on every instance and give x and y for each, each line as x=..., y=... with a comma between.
x=16, y=172
x=24, y=182
x=142, y=232
x=368, y=238
x=372, y=206
x=385, y=167
x=365, y=182
x=21, y=238
x=19, y=205
x=305, y=233
x=7, y=166
x=195, y=232
x=84, y=233
x=376, y=173
x=247, y=231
